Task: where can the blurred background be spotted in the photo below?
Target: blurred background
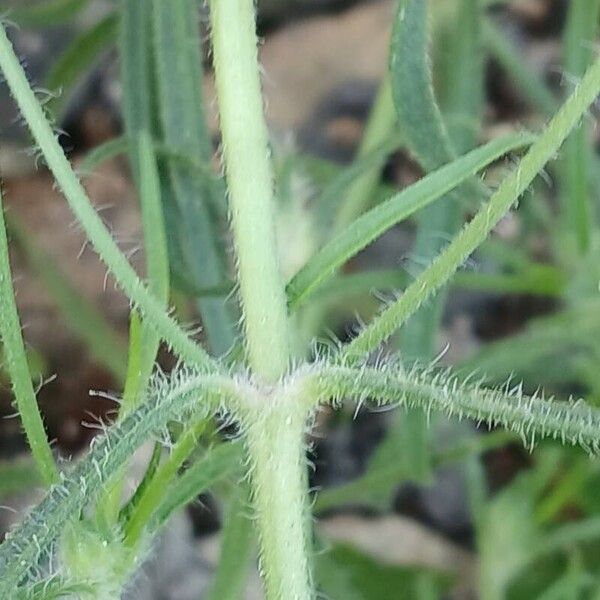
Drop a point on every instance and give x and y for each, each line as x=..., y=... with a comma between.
x=525, y=524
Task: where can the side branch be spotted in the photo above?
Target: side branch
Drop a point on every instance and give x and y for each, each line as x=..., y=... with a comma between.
x=168, y=399
x=92, y=224
x=532, y=417
x=477, y=230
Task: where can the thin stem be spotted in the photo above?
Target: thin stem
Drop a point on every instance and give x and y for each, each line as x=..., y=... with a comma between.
x=250, y=182
x=532, y=417
x=16, y=361
x=473, y=234
x=81, y=206
x=185, y=394
x=276, y=448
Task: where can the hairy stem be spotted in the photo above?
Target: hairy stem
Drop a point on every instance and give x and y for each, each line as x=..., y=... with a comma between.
x=473, y=234
x=185, y=394
x=276, y=447
x=530, y=416
x=274, y=433
x=250, y=183
x=81, y=206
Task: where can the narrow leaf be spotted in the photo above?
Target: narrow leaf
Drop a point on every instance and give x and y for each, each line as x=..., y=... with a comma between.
x=237, y=545
x=371, y=225
x=179, y=79
x=79, y=56
x=16, y=364
x=473, y=234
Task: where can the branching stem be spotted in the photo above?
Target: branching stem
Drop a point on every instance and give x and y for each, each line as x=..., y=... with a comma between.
x=275, y=432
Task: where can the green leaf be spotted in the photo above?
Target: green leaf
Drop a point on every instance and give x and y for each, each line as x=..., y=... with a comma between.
x=83, y=209
x=559, y=334
x=135, y=52
x=46, y=13
x=157, y=268
x=372, y=224
x=418, y=113
x=348, y=190
x=506, y=536
x=155, y=492
x=18, y=369
x=382, y=119
x=183, y=396
x=373, y=489
x=184, y=129
x=472, y=235
x=430, y=142
x=345, y=572
x=79, y=56
x=462, y=73
x=237, y=546
x=217, y=464
x=578, y=153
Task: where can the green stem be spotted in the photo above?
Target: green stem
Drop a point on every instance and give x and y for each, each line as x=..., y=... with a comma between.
x=16, y=362
x=275, y=444
x=275, y=428
x=250, y=182
x=531, y=417
x=81, y=206
x=185, y=395
x=473, y=234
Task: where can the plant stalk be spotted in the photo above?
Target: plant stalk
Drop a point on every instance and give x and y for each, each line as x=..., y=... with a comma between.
x=275, y=442
x=251, y=186
x=275, y=427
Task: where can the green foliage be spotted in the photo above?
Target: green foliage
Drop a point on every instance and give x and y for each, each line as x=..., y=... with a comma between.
x=50, y=12
x=79, y=56
x=371, y=225
x=344, y=572
x=431, y=104
x=18, y=369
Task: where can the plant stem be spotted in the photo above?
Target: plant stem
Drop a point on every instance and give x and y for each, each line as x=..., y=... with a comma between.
x=151, y=309
x=276, y=447
x=250, y=182
x=473, y=234
x=275, y=426
x=16, y=362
